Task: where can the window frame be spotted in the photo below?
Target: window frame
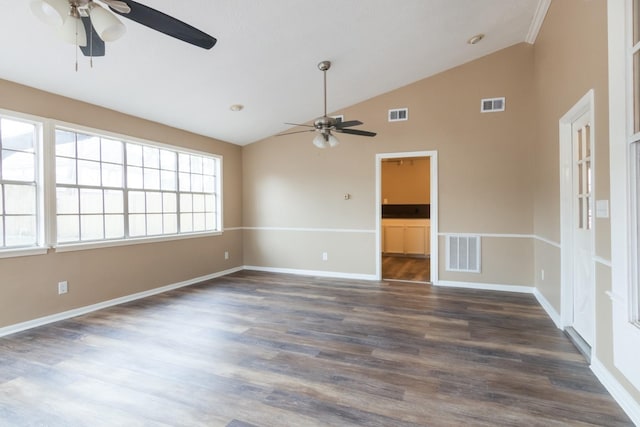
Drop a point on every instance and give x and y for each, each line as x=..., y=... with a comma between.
x=41, y=245
x=94, y=244
x=623, y=214
x=632, y=49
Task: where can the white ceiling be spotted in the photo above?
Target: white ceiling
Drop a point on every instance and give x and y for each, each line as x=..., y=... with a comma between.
x=265, y=58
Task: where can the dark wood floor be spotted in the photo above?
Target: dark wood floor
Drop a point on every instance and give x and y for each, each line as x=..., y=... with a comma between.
x=260, y=349
x=405, y=268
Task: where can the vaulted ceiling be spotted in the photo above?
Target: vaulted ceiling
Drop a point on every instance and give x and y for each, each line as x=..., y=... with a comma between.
x=265, y=58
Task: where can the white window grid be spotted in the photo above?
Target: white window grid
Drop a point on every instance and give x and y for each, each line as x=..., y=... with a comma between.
x=151, y=191
x=21, y=204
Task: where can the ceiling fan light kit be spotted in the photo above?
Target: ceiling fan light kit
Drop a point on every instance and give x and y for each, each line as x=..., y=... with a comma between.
x=325, y=125
x=52, y=12
x=83, y=22
x=108, y=27
x=325, y=140
x=67, y=16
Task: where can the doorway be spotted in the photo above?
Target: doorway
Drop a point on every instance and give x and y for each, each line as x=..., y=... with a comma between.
x=578, y=224
x=406, y=217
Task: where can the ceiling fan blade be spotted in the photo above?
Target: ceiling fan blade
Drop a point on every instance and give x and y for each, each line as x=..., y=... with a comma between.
x=118, y=5
x=356, y=132
x=298, y=131
x=348, y=123
x=166, y=24
x=95, y=45
x=298, y=124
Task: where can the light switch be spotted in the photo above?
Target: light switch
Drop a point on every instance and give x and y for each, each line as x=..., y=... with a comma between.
x=602, y=209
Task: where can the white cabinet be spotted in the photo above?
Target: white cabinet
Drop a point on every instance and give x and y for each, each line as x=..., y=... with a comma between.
x=406, y=236
x=393, y=238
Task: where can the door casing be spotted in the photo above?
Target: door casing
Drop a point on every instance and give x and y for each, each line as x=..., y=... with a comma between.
x=584, y=105
x=433, y=185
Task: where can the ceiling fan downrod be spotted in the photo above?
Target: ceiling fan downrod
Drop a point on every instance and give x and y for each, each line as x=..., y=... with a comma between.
x=324, y=66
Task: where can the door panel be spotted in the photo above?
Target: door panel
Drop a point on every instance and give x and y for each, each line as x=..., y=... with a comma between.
x=583, y=280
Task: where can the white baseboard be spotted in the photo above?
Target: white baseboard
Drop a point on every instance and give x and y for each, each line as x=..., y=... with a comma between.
x=486, y=286
x=18, y=327
x=551, y=312
x=619, y=393
x=319, y=273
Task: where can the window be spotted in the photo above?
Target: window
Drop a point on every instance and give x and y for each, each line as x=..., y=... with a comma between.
x=20, y=206
x=111, y=189
x=103, y=188
x=624, y=140
x=89, y=187
x=634, y=151
x=635, y=288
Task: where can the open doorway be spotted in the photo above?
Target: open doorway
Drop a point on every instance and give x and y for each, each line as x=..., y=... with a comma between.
x=407, y=235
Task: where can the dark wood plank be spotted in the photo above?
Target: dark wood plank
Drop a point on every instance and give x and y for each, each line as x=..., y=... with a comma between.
x=406, y=268
x=258, y=349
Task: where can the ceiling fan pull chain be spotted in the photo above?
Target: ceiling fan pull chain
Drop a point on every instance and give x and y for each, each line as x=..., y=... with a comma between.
x=76, y=46
x=76, y=57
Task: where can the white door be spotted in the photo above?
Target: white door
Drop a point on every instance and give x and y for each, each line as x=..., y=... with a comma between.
x=583, y=280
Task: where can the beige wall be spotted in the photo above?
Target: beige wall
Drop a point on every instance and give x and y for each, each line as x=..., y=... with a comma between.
x=570, y=58
x=30, y=283
x=406, y=181
x=568, y=62
x=484, y=169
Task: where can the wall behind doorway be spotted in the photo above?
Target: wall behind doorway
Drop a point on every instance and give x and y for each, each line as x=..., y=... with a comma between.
x=405, y=189
x=406, y=181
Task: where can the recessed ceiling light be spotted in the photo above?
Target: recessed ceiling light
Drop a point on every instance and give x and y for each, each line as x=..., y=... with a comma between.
x=236, y=107
x=475, y=39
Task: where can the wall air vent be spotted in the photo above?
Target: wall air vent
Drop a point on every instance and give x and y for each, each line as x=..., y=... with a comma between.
x=339, y=117
x=492, y=105
x=398, y=114
x=463, y=253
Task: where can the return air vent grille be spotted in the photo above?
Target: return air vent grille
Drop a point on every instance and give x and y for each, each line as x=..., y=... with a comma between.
x=492, y=105
x=463, y=253
x=398, y=114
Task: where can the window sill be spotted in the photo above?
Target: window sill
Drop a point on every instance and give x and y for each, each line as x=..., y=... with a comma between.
x=70, y=247
x=13, y=253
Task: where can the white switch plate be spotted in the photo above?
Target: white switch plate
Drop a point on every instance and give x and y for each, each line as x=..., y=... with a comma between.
x=226, y=254
x=63, y=287
x=325, y=256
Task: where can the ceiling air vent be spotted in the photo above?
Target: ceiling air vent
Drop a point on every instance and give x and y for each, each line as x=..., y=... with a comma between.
x=398, y=114
x=463, y=253
x=492, y=105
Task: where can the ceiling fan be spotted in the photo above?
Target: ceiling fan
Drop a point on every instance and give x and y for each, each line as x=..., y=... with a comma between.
x=325, y=125
x=88, y=25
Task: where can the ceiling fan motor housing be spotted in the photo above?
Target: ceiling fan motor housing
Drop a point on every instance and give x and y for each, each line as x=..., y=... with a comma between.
x=324, y=65
x=324, y=122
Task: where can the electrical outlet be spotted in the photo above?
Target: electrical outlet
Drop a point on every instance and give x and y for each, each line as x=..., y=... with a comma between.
x=325, y=256
x=63, y=287
x=226, y=254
